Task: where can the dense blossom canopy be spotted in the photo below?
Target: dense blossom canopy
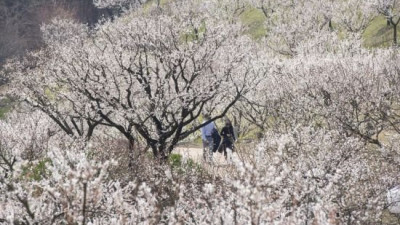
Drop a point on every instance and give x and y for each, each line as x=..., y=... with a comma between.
x=94, y=100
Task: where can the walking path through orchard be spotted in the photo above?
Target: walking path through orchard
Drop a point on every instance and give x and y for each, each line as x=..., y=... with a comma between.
x=196, y=154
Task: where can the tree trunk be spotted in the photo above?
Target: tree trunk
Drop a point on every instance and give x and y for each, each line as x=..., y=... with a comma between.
x=394, y=24
x=163, y=156
x=395, y=34
x=131, y=149
x=159, y=151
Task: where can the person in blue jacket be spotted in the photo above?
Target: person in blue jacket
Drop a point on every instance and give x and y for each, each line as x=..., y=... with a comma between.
x=207, y=133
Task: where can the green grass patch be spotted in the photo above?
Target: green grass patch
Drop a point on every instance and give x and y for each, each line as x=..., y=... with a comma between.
x=175, y=160
x=6, y=105
x=4, y=111
x=52, y=92
x=177, y=163
x=252, y=134
x=254, y=20
x=198, y=141
x=149, y=4
x=194, y=34
x=36, y=171
x=49, y=94
x=378, y=33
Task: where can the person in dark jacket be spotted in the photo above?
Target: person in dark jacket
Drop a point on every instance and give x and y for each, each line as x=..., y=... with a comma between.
x=228, y=139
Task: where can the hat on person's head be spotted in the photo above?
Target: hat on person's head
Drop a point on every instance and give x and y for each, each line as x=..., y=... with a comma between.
x=206, y=116
x=227, y=121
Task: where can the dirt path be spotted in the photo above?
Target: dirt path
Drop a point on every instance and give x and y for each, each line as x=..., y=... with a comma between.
x=196, y=154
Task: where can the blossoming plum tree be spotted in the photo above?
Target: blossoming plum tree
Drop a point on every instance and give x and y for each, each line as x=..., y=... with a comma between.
x=153, y=72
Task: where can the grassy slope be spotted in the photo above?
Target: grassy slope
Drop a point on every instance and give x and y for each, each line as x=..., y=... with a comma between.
x=254, y=20
x=378, y=34
x=5, y=106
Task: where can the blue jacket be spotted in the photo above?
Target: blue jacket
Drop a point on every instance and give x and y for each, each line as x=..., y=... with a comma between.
x=207, y=130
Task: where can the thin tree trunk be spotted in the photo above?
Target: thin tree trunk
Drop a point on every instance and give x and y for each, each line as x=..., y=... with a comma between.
x=131, y=149
x=84, y=203
x=395, y=34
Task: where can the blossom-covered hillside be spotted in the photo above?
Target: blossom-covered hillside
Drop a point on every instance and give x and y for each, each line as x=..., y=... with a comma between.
x=99, y=112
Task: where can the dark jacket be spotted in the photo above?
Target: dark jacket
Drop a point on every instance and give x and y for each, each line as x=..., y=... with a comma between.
x=216, y=139
x=228, y=137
